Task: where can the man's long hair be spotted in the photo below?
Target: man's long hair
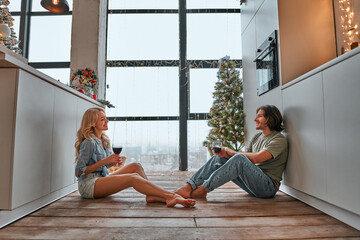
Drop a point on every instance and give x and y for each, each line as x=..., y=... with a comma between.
x=273, y=116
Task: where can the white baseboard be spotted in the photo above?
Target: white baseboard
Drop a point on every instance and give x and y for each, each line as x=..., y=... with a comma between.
x=337, y=212
x=7, y=217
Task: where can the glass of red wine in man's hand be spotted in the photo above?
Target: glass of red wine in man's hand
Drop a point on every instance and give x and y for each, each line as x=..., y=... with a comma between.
x=216, y=146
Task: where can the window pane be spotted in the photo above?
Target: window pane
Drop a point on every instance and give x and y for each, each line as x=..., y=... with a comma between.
x=209, y=39
x=195, y=4
x=197, y=153
x=50, y=39
x=36, y=6
x=143, y=37
x=154, y=144
x=15, y=6
x=202, y=82
x=143, y=91
x=16, y=26
x=143, y=4
x=60, y=74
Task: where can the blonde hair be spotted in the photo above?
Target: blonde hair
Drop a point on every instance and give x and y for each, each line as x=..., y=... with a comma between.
x=86, y=130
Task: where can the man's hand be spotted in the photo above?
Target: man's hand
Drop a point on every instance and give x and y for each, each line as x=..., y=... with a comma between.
x=225, y=153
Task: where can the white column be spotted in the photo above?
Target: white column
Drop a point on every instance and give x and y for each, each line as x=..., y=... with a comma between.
x=88, y=41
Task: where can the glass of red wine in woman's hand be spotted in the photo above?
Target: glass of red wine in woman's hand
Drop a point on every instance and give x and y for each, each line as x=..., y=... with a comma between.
x=117, y=150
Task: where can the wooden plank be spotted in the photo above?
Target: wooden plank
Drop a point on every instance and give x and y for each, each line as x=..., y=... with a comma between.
x=159, y=210
x=104, y=222
x=212, y=197
x=276, y=221
x=281, y=232
x=126, y=203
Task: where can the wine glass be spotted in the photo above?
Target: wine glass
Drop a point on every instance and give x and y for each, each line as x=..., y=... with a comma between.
x=216, y=146
x=117, y=150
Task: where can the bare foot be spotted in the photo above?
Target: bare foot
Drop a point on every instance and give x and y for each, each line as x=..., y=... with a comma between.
x=153, y=199
x=200, y=192
x=184, y=191
x=177, y=199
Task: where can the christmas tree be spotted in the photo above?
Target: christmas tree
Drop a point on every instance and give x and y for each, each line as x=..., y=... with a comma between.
x=227, y=116
x=7, y=34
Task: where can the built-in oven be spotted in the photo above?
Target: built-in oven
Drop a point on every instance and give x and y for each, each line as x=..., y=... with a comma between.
x=267, y=65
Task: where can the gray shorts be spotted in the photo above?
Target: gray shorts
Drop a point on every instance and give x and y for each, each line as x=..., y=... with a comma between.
x=86, y=185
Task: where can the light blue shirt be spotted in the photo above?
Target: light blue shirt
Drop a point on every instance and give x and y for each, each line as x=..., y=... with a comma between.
x=91, y=152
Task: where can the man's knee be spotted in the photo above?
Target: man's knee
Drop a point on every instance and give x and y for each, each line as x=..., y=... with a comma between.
x=239, y=161
x=239, y=157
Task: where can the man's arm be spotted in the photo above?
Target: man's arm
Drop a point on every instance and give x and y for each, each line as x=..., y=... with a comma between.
x=258, y=157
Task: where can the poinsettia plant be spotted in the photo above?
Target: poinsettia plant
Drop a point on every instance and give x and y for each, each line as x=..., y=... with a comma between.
x=84, y=77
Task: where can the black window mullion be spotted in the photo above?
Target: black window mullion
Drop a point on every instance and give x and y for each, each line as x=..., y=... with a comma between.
x=183, y=89
x=24, y=34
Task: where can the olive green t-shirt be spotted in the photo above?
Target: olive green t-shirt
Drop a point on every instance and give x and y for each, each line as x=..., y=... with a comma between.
x=277, y=145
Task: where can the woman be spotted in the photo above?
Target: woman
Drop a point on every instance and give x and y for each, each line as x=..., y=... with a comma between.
x=94, y=156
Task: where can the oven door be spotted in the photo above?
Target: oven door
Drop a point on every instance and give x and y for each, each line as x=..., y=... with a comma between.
x=266, y=66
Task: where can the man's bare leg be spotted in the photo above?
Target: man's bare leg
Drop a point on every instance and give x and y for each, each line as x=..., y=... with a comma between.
x=200, y=192
x=184, y=191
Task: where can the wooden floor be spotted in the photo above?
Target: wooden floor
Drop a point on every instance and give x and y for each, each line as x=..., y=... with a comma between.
x=228, y=213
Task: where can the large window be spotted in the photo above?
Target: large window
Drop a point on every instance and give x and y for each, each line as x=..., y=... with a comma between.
x=144, y=78
x=45, y=37
x=158, y=52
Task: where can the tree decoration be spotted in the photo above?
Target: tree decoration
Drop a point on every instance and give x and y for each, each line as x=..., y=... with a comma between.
x=227, y=117
x=7, y=34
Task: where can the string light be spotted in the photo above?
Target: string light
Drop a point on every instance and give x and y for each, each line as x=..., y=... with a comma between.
x=350, y=32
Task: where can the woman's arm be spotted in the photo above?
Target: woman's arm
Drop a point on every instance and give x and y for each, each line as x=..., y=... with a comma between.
x=112, y=159
x=86, y=151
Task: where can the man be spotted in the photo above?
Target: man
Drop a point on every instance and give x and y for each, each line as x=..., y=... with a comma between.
x=258, y=170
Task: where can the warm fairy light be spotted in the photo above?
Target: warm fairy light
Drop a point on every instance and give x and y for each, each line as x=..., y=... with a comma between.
x=349, y=31
x=55, y=2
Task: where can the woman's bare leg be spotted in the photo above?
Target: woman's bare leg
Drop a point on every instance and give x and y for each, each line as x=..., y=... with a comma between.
x=131, y=168
x=106, y=186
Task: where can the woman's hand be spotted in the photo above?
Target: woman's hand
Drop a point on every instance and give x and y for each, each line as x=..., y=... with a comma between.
x=113, y=159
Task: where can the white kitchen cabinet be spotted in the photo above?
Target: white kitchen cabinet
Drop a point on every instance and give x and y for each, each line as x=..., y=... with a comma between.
x=304, y=120
x=342, y=131
x=38, y=121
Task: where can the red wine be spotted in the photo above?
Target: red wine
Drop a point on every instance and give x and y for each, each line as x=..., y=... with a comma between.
x=217, y=149
x=117, y=150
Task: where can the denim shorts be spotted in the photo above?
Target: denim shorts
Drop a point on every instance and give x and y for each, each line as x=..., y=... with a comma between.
x=87, y=184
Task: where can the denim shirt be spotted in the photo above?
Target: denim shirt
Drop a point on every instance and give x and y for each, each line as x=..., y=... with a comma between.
x=91, y=152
